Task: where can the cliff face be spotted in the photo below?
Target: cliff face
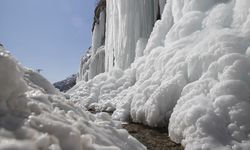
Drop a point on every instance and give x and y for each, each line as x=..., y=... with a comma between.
x=92, y=63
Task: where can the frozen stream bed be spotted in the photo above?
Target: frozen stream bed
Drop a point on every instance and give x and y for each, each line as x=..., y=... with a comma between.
x=152, y=138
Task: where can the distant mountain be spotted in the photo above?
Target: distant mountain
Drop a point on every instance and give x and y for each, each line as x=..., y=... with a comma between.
x=66, y=84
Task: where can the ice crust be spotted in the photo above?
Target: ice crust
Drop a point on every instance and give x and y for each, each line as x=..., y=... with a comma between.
x=193, y=75
x=35, y=116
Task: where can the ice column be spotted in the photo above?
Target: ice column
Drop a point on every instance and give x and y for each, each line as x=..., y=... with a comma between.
x=92, y=63
x=127, y=22
x=98, y=36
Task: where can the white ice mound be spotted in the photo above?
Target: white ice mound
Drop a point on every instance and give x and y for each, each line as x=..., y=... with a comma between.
x=12, y=84
x=34, y=116
x=194, y=74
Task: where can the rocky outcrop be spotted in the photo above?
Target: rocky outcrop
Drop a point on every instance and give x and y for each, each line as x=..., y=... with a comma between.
x=66, y=84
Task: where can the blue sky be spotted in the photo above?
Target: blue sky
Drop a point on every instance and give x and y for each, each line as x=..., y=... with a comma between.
x=50, y=35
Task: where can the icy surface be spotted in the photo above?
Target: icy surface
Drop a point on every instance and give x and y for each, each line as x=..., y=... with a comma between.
x=93, y=62
x=84, y=66
x=127, y=22
x=98, y=36
x=193, y=75
x=34, y=116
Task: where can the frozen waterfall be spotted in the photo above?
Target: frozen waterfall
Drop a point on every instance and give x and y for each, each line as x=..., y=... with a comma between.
x=188, y=71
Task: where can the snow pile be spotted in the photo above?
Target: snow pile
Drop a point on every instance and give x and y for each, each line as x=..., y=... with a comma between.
x=34, y=116
x=194, y=72
x=14, y=86
x=99, y=93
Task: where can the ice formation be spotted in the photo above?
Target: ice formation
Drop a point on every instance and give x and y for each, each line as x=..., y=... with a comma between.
x=35, y=116
x=192, y=73
x=93, y=62
x=127, y=22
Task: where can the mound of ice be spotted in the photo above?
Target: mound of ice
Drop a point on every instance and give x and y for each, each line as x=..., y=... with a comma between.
x=34, y=116
x=14, y=85
x=194, y=74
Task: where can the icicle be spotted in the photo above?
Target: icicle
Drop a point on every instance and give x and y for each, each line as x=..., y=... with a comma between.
x=127, y=22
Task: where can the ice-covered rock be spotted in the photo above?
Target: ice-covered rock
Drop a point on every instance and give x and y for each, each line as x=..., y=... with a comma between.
x=84, y=66
x=93, y=62
x=111, y=22
x=192, y=74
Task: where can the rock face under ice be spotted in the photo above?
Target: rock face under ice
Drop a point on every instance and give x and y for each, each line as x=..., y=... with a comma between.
x=192, y=72
x=98, y=35
x=92, y=63
x=34, y=116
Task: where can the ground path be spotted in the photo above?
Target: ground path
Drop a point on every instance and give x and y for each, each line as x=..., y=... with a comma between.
x=152, y=138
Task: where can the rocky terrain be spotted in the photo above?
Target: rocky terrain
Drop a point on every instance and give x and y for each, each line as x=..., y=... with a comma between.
x=66, y=84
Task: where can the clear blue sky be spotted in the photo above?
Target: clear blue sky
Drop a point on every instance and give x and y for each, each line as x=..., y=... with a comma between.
x=51, y=35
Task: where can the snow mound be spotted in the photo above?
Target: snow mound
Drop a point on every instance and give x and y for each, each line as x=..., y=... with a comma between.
x=193, y=75
x=14, y=86
x=34, y=116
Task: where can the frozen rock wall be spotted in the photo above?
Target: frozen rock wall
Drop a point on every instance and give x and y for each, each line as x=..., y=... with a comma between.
x=127, y=22
x=92, y=63
x=84, y=66
x=127, y=26
x=191, y=75
x=99, y=25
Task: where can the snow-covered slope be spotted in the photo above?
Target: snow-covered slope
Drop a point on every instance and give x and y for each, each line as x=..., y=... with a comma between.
x=35, y=116
x=192, y=74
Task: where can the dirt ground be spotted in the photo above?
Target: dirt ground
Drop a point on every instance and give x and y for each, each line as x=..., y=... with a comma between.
x=152, y=138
